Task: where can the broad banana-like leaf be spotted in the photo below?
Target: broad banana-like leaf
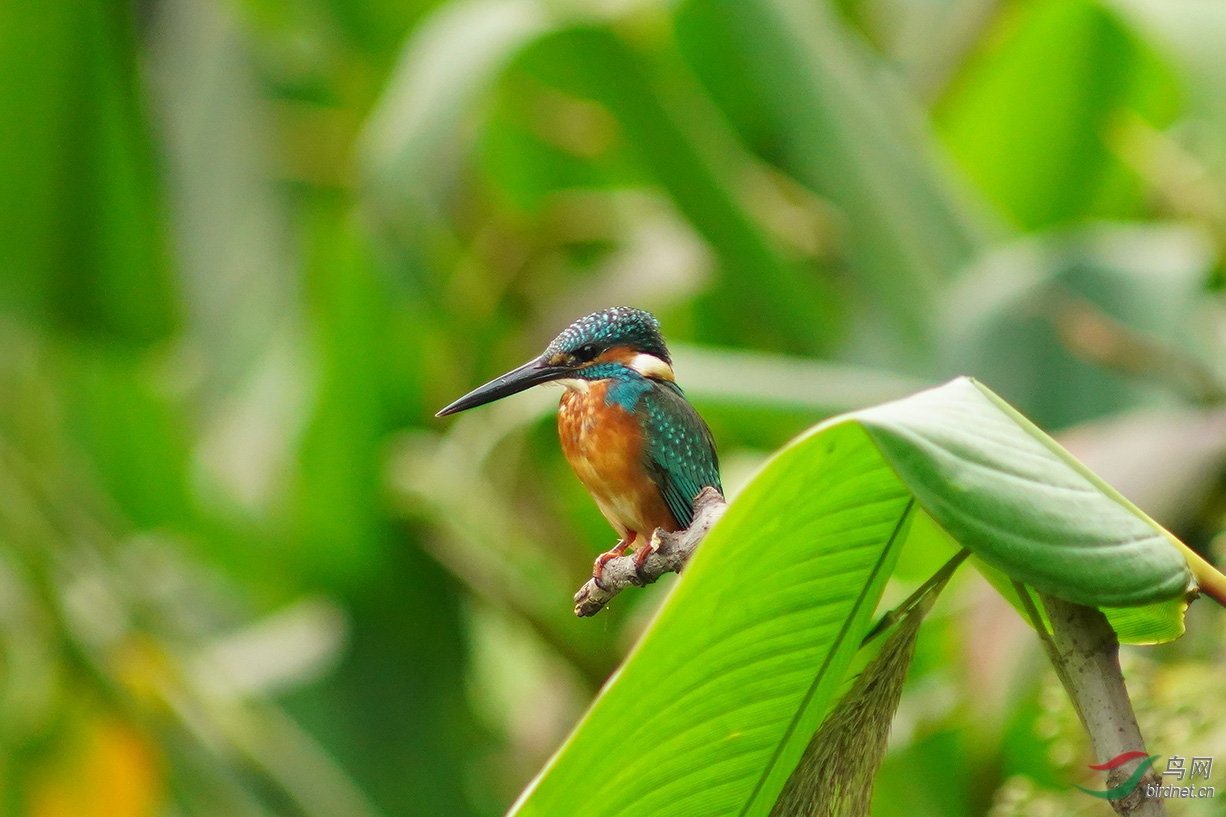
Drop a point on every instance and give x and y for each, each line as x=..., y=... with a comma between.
x=714, y=706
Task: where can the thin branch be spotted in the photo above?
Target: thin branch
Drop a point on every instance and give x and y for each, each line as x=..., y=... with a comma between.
x=670, y=552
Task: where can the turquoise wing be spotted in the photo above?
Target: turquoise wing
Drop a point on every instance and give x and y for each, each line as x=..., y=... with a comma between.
x=680, y=450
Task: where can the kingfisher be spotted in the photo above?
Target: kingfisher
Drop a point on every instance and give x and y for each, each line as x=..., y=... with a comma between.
x=634, y=441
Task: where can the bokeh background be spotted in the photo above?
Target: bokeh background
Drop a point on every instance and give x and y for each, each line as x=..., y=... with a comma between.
x=247, y=248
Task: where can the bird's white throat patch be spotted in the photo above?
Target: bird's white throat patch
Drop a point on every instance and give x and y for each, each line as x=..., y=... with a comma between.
x=575, y=384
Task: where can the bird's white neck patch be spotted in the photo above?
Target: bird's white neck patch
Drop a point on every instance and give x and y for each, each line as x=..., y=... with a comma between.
x=651, y=366
x=574, y=384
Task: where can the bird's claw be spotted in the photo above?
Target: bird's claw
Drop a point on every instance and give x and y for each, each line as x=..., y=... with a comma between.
x=603, y=559
x=640, y=578
x=598, y=569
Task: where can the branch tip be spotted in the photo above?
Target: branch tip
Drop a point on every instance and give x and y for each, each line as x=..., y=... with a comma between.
x=669, y=552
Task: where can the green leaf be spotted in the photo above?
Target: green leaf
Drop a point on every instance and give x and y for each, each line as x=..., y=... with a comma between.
x=1023, y=504
x=1148, y=624
x=83, y=241
x=411, y=147
x=713, y=708
x=689, y=148
x=1030, y=120
x=715, y=705
x=850, y=136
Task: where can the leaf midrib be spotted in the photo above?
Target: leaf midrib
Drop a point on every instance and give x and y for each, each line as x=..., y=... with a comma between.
x=830, y=653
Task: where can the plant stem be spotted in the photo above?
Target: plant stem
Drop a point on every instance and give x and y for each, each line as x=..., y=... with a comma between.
x=1209, y=580
x=1085, y=652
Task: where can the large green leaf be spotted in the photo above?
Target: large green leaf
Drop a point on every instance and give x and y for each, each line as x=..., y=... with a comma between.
x=714, y=706
x=716, y=703
x=1007, y=491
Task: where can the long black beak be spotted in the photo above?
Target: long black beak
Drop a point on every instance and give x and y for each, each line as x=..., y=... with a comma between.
x=530, y=374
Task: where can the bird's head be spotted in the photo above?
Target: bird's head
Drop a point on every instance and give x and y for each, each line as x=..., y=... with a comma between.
x=591, y=348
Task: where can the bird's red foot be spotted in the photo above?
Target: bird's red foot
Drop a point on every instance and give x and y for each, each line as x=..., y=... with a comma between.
x=602, y=559
x=640, y=558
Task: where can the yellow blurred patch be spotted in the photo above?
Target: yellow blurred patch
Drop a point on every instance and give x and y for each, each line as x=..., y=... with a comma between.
x=107, y=770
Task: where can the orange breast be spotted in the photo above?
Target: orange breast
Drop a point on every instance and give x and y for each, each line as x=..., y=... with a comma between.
x=604, y=446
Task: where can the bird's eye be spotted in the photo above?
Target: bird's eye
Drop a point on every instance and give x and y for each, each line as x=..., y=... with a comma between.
x=587, y=352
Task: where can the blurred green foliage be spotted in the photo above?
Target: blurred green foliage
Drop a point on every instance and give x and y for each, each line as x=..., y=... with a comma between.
x=248, y=248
